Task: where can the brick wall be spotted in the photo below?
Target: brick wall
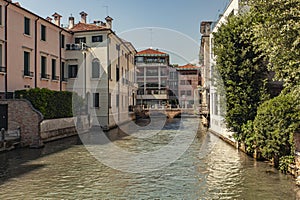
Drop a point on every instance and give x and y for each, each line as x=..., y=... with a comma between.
x=22, y=114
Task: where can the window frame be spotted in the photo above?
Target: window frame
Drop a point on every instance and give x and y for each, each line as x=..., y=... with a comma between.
x=26, y=25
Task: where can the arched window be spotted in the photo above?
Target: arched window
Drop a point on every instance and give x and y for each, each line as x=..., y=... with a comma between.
x=95, y=68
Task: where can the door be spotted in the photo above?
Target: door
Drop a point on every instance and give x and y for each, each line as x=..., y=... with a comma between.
x=3, y=116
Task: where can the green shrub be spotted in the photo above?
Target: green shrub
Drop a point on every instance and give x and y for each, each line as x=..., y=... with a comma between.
x=284, y=163
x=52, y=104
x=275, y=124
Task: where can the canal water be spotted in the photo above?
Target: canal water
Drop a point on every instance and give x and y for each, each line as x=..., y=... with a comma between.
x=209, y=169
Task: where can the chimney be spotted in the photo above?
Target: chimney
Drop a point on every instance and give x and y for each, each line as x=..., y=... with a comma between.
x=71, y=22
x=56, y=18
x=109, y=22
x=49, y=19
x=83, y=17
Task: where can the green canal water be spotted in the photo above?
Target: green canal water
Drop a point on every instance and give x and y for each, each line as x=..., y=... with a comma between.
x=209, y=169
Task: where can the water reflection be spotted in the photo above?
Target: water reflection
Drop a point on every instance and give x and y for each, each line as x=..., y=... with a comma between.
x=209, y=169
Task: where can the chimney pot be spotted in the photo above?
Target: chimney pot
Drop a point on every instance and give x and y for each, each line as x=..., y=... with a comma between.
x=57, y=18
x=83, y=17
x=109, y=22
x=71, y=22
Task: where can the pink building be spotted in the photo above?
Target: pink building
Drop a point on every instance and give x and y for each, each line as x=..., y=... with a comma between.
x=32, y=50
x=189, y=82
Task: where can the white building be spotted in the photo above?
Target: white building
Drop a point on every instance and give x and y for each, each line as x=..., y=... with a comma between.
x=101, y=69
x=217, y=121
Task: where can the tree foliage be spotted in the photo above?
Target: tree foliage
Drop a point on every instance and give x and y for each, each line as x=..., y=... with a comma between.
x=241, y=69
x=277, y=34
x=275, y=124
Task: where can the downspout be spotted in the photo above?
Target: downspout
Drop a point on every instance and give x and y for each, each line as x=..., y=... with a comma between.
x=108, y=78
x=6, y=54
x=60, y=63
x=35, y=52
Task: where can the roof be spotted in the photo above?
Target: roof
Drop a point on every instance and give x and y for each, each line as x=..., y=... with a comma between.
x=150, y=51
x=87, y=27
x=188, y=67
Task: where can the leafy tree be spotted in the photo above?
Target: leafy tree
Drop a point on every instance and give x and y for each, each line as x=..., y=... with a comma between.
x=277, y=35
x=242, y=70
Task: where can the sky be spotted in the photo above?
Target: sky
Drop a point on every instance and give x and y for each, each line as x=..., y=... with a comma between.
x=172, y=26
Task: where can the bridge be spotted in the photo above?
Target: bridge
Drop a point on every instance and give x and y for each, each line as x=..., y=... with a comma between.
x=168, y=112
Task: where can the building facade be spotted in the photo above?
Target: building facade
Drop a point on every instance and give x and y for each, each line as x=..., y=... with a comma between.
x=89, y=59
x=32, y=51
x=152, y=78
x=205, y=30
x=189, y=83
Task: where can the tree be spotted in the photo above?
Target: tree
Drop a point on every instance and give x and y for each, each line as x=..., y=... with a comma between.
x=277, y=35
x=242, y=70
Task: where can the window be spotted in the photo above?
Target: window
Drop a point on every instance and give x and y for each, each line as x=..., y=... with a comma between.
x=117, y=100
x=109, y=100
x=182, y=93
x=96, y=100
x=26, y=63
x=1, y=55
x=26, y=26
x=182, y=82
x=62, y=41
x=117, y=73
x=188, y=93
x=0, y=15
x=54, y=70
x=73, y=69
x=43, y=67
x=80, y=40
x=43, y=32
x=95, y=68
x=62, y=71
x=98, y=38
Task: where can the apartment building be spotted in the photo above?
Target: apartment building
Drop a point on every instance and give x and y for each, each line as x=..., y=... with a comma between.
x=152, y=77
x=31, y=50
x=89, y=59
x=101, y=68
x=189, y=82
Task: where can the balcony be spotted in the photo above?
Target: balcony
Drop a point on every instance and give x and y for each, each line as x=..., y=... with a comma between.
x=28, y=74
x=73, y=47
x=55, y=78
x=45, y=76
x=2, y=70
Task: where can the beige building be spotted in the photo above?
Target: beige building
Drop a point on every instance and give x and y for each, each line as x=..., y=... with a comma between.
x=87, y=58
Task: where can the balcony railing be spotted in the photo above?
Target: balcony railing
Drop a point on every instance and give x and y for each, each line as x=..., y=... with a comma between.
x=2, y=69
x=28, y=73
x=45, y=76
x=55, y=78
x=73, y=47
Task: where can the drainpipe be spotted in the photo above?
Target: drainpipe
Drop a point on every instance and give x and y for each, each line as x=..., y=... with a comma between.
x=6, y=54
x=35, y=52
x=60, y=63
x=108, y=78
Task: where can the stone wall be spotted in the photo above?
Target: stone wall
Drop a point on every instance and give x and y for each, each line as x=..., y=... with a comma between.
x=54, y=129
x=22, y=114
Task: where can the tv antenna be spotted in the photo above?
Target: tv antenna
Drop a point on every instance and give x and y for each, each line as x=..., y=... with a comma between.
x=106, y=10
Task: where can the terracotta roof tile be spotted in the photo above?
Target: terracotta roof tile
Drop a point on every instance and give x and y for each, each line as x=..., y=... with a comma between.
x=87, y=27
x=188, y=67
x=150, y=51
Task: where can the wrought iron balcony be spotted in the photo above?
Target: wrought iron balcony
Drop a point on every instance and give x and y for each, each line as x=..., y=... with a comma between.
x=55, y=78
x=28, y=73
x=74, y=47
x=45, y=76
